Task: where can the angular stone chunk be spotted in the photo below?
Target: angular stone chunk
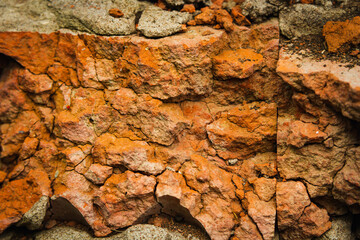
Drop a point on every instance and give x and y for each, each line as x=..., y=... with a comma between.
x=176, y=67
x=291, y=200
x=160, y=122
x=338, y=34
x=302, y=133
x=331, y=81
x=79, y=192
x=34, y=218
x=17, y=197
x=347, y=181
x=134, y=155
x=217, y=193
x=294, y=20
x=244, y=130
x=247, y=230
x=240, y=63
x=176, y=197
x=155, y=22
x=93, y=17
x=127, y=198
x=98, y=173
x=263, y=213
x=34, y=83
x=22, y=47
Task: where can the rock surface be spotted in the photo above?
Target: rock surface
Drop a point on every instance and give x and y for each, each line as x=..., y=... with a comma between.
x=293, y=20
x=338, y=34
x=155, y=22
x=142, y=231
x=219, y=128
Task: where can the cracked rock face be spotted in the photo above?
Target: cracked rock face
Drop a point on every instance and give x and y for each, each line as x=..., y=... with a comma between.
x=219, y=128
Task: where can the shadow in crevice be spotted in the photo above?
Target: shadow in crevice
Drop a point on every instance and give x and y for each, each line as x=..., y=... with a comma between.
x=63, y=210
x=171, y=207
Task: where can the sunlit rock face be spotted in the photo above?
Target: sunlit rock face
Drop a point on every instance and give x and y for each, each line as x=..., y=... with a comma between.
x=219, y=127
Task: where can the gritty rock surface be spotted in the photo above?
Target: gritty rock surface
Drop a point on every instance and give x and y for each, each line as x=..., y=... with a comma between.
x=93, y=17
x=17, y=198
x=119, y=130
x=258, y=10
x=155, y=22
x=142, y=231
x=340, y=229
x=338, y=34
x=324, y=78
x=34, y=218
x=294, y=20
x=246, y=63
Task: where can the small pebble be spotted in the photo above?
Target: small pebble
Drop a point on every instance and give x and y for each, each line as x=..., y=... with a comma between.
x=232, y=161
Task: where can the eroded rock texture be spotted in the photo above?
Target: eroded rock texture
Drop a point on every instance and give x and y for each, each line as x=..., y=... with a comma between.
x=216, y=127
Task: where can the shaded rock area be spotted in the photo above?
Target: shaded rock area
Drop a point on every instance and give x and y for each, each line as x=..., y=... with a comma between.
x=227, y=131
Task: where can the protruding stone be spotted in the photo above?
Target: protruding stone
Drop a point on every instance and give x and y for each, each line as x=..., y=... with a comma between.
x=17, y=197
x=241, y=63
x=293, y=20
x=94, y=17
x=302, y=133
x=339, y=34
x=34, y=83
x=263, y=214
x=98, y=173
x=291, y=200
x=216, y=215
x=347, y=181
x=234, y=135
x=331, y=81
x=134, y=155
x=176, y=197
x=34, y=218
x=247, y=230
x=127, y=198
x=265, y=188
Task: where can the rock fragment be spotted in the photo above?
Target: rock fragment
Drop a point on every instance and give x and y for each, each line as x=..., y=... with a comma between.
x=294, y=20
x=340, y=34
x=155, y=22
x=34, y=218
x=241, y=63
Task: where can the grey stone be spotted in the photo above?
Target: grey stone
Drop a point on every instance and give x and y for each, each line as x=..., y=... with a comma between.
x=34, y=218
x=306, y=19
x=155, y=22
x=63, y=233
x=19, y=15
x=232, y=161
x=325, y=3
x=93, y=16
x=258, y=10
x=147, y=232
x=340, y=229
x=175, y=3
x=141, y=231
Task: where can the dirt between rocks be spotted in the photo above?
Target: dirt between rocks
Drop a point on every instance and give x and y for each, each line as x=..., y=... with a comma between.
x=315, y=48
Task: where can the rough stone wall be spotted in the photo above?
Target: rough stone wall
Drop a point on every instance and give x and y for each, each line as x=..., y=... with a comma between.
x=221, y=128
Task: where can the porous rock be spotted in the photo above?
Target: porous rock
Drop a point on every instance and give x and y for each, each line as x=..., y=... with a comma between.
x=34, y=218
x=339, y=34
x=155, y=22
x=325, y=78
x=93, y=17
x=141, y=231
x=294, y=20
x=258, y=10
